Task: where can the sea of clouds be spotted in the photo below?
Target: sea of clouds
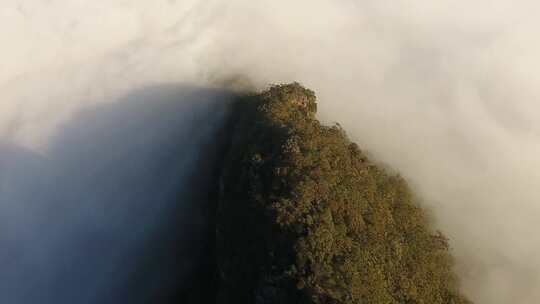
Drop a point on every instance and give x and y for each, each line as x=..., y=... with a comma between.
x=106, y=106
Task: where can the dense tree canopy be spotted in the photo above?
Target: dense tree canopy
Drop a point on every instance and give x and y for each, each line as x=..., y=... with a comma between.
x=305, y=217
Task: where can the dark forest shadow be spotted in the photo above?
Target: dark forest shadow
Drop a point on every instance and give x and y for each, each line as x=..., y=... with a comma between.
x=119, y=209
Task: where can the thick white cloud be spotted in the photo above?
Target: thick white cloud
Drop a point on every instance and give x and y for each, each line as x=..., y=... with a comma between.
x=444, y=91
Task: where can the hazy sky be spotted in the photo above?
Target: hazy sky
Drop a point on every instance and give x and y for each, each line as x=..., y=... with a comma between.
x=444, y=91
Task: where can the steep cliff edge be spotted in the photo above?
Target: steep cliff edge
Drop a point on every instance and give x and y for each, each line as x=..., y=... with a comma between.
x=304, y=217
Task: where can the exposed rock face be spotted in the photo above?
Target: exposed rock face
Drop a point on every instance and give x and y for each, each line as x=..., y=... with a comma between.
x=305, y=217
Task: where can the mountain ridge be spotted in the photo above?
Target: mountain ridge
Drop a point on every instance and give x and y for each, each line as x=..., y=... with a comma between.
x=304, y=217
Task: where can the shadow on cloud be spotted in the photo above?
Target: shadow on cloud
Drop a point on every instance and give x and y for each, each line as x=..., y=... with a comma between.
x=118, y=210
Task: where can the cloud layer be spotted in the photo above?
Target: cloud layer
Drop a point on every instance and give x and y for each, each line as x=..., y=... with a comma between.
x=445, y=92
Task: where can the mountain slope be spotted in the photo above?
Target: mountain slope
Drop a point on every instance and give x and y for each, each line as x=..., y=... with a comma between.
x=305, y=217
